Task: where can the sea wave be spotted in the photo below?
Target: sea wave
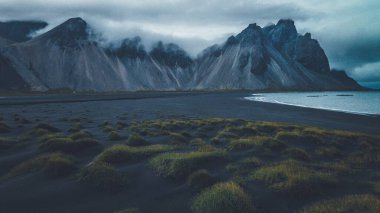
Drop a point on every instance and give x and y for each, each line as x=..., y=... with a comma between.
x=264, y=98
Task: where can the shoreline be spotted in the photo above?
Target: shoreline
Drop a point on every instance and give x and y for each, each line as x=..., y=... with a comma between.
x=317, y=108
x=197, y=104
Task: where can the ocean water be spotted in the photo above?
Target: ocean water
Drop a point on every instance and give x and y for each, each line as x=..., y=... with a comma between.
x=353, y=102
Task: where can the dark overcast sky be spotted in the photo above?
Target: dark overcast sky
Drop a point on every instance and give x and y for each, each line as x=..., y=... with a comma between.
x=349, y=30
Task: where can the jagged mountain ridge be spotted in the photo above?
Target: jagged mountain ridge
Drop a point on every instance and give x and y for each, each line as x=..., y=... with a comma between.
x=66, y=57
x=274, y=57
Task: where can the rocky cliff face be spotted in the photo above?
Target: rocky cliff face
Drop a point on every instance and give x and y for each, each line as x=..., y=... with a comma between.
x=66, y=57
x=274, y=57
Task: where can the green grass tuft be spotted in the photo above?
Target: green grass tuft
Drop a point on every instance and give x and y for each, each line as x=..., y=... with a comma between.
x=200, y=179
x=257, y=142
x=329, y=152
x=136, y=140
x=123, y=153
x=114, y=136
x=57, y=142
x=197, y=142
x=55, y=164
x=363, y=203
x=102, y=176
x=298, y=137
x=244, y=166
x=179, y=165
x=82, y=134
x=223, y=197
x=177, y=139
x=294, y=178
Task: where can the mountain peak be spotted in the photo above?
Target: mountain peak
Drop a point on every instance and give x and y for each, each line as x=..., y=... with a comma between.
x=254, y=25
x=251, y=35
x=308, y=35
x=287, y=22
x=129, y=48
x=68, y=32
x=170, y=55
x=74, y=25
x=76, y=19
x=284, y=32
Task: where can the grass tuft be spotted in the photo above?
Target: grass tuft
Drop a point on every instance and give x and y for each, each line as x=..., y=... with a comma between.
x=226, y=197
x=136, y=140
x=298, y=137
x=197, y=142
x=114, y=136
x=82, y=134
x=294, y=178
x=47, y=127
x=244, y=166
x=177, y=139
x=257, y=142
x=349, y=203
x=55, y=164
x=123, y=153
x=57, y=142
x=102, y=176
x=179, y=165
x=200, y=179
x=329, y=152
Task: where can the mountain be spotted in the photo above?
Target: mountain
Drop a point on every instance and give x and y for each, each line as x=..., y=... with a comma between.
x=19, y=31
x=272, y=58
x=275, y=57
x=67, y=57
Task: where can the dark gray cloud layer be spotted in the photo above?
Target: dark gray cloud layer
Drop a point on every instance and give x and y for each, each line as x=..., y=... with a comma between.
x=348, y=30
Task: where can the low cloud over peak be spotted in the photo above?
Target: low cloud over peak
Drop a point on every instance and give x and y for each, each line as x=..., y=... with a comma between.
x=348, y=31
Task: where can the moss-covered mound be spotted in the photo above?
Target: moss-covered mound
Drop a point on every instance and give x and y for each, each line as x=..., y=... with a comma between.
x=348, y=204
x=62, y=143
x=102, y=176
x=294, y=178
x=122, y=153
x=200, y=179
x=55, y=164
x=179, y=165
x=136, y=140
x=257, y=142
x=223, y=197
x=46, y=127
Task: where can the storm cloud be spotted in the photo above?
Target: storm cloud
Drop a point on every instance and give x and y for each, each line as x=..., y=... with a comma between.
x=349, y=31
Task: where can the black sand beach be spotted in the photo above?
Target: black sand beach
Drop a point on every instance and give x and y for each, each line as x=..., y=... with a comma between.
x=34, y=191
x=189, y=104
